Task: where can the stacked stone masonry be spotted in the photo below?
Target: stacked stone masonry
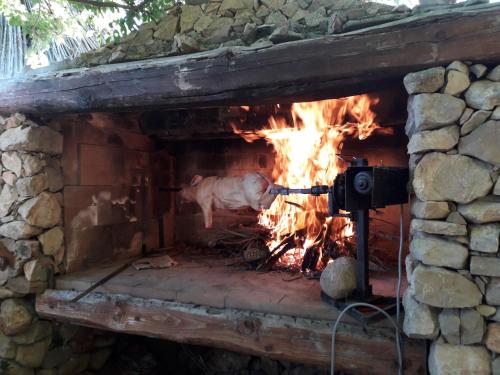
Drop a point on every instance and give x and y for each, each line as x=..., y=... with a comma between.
x=454, y=261
x=201, y=25
x=32, y=252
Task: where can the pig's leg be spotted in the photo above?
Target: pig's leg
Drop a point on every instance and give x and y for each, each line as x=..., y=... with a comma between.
x=206, y=207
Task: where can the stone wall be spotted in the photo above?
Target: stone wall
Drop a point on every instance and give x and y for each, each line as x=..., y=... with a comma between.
x=201, y=25
x=454, y=265
x=32, y=252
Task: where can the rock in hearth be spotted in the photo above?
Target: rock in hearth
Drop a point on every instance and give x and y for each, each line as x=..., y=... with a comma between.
x=484, y=210
x=485, y=238
x=432, y=111
x=449, y=323
x=458, y=178
x=338, y=279
x=32, y=139
x=496, y=189
x=434, y=140
x=36, y=270
x=435, y=251
x=42, y=211
x=425, y=81
x=485, y=266
x=15, y=316
x=483, y=95
x=493, y=337
x=429, y=209
x=19, y=230
x=471, y=327
x=420, y=320
x=493, y=292
x=439, y=287
x=437, y=227
x=496, y=114
x=476, y=119
x=446, y=359
x=456, y=82
x=483, y=143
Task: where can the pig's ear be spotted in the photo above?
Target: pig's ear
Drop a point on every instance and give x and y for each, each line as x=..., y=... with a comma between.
x=196, y=180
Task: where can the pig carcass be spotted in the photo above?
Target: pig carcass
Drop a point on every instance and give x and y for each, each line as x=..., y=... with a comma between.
x=250, y=190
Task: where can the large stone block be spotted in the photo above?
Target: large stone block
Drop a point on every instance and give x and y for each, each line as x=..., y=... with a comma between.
x=456, y=82
x=8, y=196
x=485, y=210
x=12, y=161
x=483, y=95
x=437, y=227
x=420, y=320
x=476, y=119
x=434, y=251
x=442, y=139
x=42, y=211
x=167, y=27
x=446, y=359
x=432, y=111
x=19, y=230
x=449, y=324
x=471, y=327
x=493, y=337
x=483, y=143
x=425, y=81
x=32, y=139
x=493, y=292
x=429, y=209
x=51, y=241
x=485, y=238
x=458, y=178
x=485, y=266
x=15, y=316
x=32, y=355
x=33, y=185
x=439, y=287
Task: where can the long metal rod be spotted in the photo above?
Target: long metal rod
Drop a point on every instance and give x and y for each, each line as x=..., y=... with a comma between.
x=363, y=289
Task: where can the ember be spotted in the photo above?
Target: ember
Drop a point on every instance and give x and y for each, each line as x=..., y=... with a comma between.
x=307, y=148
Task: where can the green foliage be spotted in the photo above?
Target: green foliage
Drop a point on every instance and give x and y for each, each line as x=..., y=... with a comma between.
x=106, y=19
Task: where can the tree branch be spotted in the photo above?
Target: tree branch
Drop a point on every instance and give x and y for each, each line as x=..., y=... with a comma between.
x=112, y=4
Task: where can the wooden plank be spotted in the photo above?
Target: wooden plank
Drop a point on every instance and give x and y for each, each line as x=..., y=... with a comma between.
x=360, y=351
x=317, y=68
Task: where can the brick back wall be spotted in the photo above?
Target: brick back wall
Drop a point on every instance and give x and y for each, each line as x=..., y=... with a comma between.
x=107, y=190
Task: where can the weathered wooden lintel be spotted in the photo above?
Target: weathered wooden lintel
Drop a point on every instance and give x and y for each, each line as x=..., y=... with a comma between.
x=309, y=69
x=281, y=337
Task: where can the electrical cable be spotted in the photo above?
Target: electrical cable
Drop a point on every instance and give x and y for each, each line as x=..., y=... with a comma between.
x=398, y=309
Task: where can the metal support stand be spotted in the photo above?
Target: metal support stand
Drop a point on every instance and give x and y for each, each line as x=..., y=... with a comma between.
x=363, y=288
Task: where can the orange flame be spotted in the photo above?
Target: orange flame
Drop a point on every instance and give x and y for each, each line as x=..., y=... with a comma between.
x=306, y=154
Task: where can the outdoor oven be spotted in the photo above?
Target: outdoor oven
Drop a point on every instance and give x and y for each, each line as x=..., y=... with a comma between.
x=118, y=143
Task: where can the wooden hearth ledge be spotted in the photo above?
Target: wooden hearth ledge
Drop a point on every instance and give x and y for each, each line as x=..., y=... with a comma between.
x=325, y=67
x=201, y=301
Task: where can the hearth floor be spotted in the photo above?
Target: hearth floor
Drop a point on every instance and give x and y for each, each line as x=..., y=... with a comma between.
x=208, y=281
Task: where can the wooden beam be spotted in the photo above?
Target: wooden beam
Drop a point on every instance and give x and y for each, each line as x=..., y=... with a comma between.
x=359, y=351
x=309, y=69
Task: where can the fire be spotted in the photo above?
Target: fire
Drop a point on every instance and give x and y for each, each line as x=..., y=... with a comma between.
x=306, y=154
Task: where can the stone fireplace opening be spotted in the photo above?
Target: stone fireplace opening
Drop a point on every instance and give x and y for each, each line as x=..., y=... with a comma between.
x=122, y=172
